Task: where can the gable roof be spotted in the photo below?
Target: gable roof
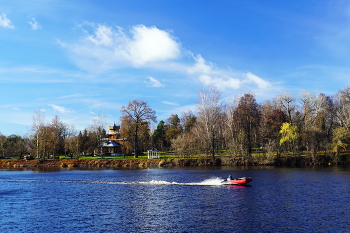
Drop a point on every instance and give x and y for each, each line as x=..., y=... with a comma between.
x=110, y=144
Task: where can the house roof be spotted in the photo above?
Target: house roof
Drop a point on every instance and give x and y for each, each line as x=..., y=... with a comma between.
x=153, y=150
x=110, y=144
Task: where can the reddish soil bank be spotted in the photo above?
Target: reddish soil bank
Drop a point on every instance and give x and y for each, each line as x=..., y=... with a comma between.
x=108, y=163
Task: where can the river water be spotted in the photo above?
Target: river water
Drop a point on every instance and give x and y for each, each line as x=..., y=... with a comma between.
x=175, y=200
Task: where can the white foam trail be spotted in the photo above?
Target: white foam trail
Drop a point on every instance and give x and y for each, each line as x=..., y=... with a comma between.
x=159, y=182
x=211, y=181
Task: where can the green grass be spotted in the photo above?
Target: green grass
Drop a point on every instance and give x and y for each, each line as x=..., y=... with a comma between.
x=170, y=155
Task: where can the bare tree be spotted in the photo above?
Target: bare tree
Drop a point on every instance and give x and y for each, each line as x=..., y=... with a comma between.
x=341, y=127
x=38, y=125
x=71, y=141
x=97, y=132
x=231, y=130
x=312, y=121
x=286, y=102
x=209, y=110
x=136, y=114
x=342, y=99
x=187, y=143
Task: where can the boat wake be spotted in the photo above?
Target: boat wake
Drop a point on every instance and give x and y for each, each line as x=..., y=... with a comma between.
x=211, y=181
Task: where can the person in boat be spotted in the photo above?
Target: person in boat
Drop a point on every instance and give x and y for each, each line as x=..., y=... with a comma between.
x=230, y=177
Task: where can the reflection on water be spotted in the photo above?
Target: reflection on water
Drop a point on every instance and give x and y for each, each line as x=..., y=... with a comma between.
x=175, y=200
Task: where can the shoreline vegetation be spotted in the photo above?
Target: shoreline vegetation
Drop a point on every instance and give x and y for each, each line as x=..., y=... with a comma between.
x=168, y=162
x=286, y=131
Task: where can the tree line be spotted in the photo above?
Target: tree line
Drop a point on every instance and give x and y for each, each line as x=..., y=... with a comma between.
x=315, y=125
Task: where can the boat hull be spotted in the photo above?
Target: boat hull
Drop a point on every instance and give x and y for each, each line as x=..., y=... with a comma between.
x=238, y=181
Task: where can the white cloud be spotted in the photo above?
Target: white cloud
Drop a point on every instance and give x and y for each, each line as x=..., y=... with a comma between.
x=251, y=78
x=201, y=66
x=103, y=36
x=170, y=103
x=209, y=75
x=71, y=96
x=60, y=42
x=34, y=24
x=107, y=48
x=150, y=44
x=60, y=109
x=5, y=22
x=154, y=82
x=220, y=82
x=185, y=108
x=104, y=48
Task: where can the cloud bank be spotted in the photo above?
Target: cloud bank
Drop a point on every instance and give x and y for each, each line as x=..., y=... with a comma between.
x=103, y=48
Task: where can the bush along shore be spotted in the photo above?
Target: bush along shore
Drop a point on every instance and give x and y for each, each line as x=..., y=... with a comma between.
x=169, y=162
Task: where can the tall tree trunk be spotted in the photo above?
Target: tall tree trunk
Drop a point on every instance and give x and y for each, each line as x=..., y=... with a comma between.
x=136, y=144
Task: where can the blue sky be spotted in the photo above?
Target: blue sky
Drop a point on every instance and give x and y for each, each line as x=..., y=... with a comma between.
x=78, y=59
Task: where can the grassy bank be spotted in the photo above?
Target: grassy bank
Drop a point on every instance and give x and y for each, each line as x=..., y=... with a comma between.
x=170, y=161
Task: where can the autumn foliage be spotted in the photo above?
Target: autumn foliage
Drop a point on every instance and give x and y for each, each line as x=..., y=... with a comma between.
x=315, y=126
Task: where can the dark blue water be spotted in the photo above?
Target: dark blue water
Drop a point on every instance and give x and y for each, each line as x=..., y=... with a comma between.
x=175, y=200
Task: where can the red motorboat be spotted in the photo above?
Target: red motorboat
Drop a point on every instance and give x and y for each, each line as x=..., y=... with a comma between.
x=237, y=181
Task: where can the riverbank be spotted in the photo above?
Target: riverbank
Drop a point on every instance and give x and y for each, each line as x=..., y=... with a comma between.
x=153, y=163
x=107, y=163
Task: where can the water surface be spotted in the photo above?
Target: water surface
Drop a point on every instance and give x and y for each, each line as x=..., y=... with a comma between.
x=175, y=200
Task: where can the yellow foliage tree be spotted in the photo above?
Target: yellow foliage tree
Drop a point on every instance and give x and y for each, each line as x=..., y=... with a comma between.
x=341, y=138
x=289, y=133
